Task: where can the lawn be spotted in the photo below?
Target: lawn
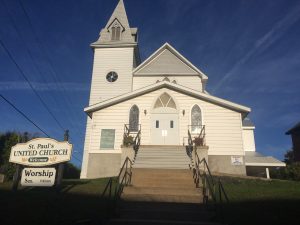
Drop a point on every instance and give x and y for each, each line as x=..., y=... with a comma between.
x=79, y=200
x=254, y=201
x=251, y=202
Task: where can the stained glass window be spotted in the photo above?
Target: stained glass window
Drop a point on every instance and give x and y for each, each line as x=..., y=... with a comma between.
x=134, y=118
x=196, y=119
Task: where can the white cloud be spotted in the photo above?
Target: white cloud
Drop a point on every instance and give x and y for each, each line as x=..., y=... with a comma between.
x=24, y=86
x=269, y=38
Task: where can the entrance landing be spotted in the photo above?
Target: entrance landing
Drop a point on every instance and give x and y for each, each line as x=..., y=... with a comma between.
x=162, y=157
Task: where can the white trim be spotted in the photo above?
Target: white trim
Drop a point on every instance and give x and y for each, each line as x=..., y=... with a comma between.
x=265, y=164
x=248, y=128
x=172, y=86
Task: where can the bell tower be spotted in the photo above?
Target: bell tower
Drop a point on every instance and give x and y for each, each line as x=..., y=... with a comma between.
x=115, y=56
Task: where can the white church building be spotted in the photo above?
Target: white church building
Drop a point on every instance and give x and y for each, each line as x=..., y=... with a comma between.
x=161, y=99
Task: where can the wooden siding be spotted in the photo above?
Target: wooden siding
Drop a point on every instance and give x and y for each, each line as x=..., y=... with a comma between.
x=223, y=126
x=248, y=139
x=119, y=60
x=192, y=82
x=167, y=63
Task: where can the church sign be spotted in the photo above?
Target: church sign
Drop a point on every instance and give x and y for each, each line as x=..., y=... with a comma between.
x=38, y=177
x=41, y=152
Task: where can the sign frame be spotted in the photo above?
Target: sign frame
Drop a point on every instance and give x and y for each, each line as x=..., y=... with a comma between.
x=33, y=150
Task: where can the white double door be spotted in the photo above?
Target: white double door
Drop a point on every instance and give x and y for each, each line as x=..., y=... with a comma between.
x=164, y=129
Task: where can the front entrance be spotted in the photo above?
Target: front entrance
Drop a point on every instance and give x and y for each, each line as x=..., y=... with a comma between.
x=164, y=122
x=164, y=129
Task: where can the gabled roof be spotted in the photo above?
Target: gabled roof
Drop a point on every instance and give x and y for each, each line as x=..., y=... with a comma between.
x=167, y=61
x=165, y=84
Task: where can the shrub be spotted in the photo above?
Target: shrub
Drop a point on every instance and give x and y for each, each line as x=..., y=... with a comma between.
x=290, y=172
x=198, y=141
x=128, y=141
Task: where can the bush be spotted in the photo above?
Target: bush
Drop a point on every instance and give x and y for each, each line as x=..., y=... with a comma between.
x=71, y=171
x=290, y=172
x=128, y=141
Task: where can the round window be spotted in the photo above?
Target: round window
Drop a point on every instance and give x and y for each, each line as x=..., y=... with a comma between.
x=112, y=76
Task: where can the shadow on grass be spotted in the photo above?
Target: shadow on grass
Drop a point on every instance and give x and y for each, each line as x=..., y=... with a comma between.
x=44, y=206
x=279, y=212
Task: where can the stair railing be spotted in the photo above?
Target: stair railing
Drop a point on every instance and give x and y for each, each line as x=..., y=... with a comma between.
x=198, y=132
x=132, y=137
x=136, y=144
x=114, y=191
x=211, y=187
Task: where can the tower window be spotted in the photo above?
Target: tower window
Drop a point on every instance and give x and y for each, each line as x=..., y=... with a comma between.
x=116, y=33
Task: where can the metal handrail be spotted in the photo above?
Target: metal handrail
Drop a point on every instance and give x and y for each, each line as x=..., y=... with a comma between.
x=210, y=186
x=123, y=179
x=200, y=136
x=202, y=174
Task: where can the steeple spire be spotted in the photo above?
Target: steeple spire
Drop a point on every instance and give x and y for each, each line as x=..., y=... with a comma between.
x=117, y=29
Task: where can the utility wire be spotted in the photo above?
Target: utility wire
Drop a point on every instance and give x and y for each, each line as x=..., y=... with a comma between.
x=55, y=74
x=26, y=117
x=31, y=86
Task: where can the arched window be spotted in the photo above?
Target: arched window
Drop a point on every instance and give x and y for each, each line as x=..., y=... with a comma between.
x=174, y=82
x=115, y=33
x=166, y=79
x=134, y=118
x=196, y=119
x=165, y=100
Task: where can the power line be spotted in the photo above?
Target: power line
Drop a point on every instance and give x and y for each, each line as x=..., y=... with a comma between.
x=54, y=72
x=26, y=117
x=31, y=86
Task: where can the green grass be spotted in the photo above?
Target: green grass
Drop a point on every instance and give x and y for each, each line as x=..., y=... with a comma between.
x=78, y=200
x=251, y=202
x=254, y=201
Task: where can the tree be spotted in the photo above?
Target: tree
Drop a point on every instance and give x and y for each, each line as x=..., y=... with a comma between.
x=7, y=140
x=289, y=157
x=71, y=171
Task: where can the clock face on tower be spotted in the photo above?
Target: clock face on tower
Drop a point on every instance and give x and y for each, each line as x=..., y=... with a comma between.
x=112, y=76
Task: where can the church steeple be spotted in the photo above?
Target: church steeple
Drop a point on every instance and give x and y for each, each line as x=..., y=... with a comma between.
x=117, y=29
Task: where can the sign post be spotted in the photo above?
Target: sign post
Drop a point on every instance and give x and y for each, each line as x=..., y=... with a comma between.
x=60, y=170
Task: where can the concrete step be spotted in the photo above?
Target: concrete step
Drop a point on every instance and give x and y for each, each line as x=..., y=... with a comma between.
x=155, y=222
x=176, y=215
x=158, y=166
x=160, y=194
x=162, y=191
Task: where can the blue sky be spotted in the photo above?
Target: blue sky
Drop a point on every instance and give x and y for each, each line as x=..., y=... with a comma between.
x=250, y=51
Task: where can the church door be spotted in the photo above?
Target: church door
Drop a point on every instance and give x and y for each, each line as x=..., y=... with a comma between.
x=164, y=122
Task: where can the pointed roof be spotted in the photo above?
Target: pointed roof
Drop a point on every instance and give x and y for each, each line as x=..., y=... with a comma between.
x=120, y=14
x=167, y=61
x=119, y=17
x=176, y=87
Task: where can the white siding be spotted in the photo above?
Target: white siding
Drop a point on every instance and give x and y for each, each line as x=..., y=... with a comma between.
x=85, y=157
x=119, y=60
x=193, y=82
x=223, y=126
x=248, y=139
